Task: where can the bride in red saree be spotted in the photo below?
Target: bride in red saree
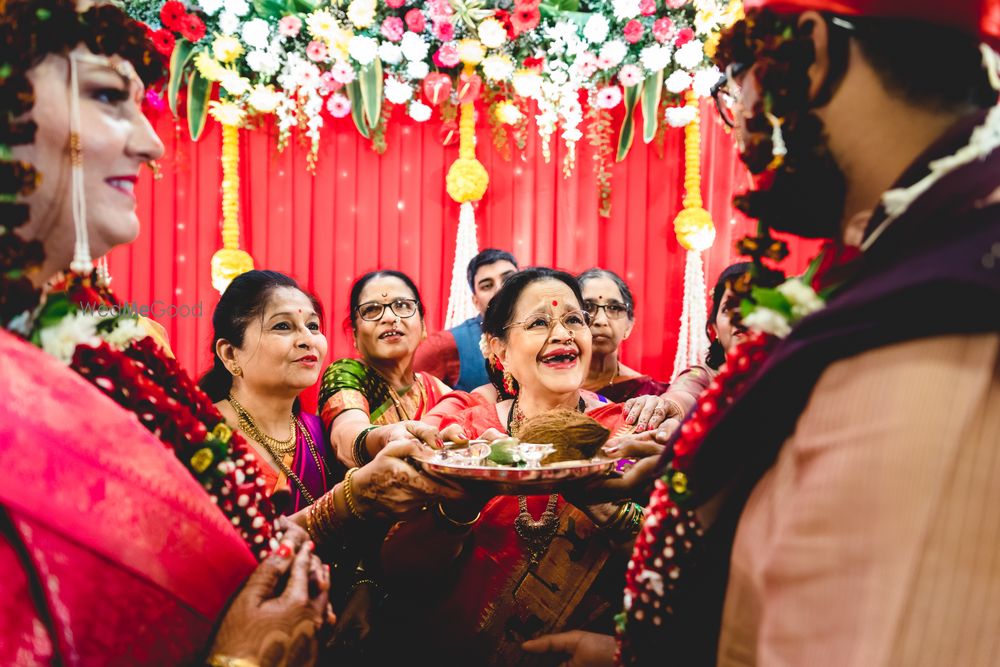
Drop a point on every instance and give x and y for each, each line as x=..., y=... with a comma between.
x=524, y=566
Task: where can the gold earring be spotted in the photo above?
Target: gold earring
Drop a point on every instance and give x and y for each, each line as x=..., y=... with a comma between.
x=237, y=371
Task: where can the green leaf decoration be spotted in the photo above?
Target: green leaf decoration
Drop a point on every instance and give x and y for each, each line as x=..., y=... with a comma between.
x=182, y=54
x=370, y=82
x=628, y=124
x=560, y=6
x=773, y=299
x=56, y=308
x=272, y=9
x=353, y=90
x=199, y=94
x=651, y=91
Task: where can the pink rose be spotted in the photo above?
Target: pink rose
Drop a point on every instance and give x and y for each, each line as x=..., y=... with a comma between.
x=444, y=31
x=684, y=35
x=446, y=56
x=395, y=4
x=676, y=4
x=316, y=51
x=647, y=7
x=662, y=29
x=415, y=20
x=392, y=28
x=633, y=31
x=289, y=26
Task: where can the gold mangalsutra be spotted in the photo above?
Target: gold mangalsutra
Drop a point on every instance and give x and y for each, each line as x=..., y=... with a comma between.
x=249, y=426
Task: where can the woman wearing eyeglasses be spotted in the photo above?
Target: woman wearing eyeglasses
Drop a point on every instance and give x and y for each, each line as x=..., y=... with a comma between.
x=609, y=302
x=513, y=567
x=368, y=403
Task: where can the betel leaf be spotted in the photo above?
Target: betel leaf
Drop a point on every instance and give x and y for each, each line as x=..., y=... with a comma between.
x=628, y=123
x=199, y=94
x=180, y=57
x=353, y=90
x=370, y=83
x=652, y=90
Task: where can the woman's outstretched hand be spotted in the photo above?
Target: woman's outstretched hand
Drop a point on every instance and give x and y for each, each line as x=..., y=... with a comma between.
x=276, y=617
x=581, y=649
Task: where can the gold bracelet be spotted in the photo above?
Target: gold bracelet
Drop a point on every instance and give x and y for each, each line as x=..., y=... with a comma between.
x=349, y=496
x=455, y=523
x=226, y=661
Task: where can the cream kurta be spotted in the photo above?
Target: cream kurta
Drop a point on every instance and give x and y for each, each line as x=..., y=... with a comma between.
x=874, y=540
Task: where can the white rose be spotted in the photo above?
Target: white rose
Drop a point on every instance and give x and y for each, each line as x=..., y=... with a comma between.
x=417, y=69
x=655, y=57
x=614, y=52
x=237, y=7
x=679, y=116
x=625, y=9
x=704, y=79
x=690, y=55
x=256, y=33
x=414, y=47
x=420, y=112
x=229, y=23
x=60, y=340
x=210, y=7
x=363, y=49
x=390, y=53
x=678, y=82
x=396, y=91
x=768, y=321
x=803, y=298
x=596, y=29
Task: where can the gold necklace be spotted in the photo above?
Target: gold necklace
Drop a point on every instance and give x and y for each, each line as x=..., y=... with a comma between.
x=249, y=426
x=245, y=421
x=601, y=383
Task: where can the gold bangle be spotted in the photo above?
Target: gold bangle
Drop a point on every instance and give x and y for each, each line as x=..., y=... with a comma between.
x=613, y=522
x=454, y=522
x=226, y=661
x=349, y=496
x=311, y=520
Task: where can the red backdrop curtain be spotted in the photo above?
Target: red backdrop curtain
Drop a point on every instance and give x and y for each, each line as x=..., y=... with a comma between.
x=362, y=211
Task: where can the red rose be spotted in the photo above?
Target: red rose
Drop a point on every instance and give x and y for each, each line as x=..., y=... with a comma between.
x=525, y=19
x=684, y=35
x=533, y=63
x=171, y=14
x=503, y=16
x=633, y=31
x=647, y=7
x=192, y=28
x=415, y=20
x=163, y=41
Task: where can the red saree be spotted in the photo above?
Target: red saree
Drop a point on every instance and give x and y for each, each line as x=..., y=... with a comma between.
x=497, y=598
x=112, y=553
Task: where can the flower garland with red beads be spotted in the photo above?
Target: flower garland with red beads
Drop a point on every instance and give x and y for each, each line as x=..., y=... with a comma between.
x=144, y=380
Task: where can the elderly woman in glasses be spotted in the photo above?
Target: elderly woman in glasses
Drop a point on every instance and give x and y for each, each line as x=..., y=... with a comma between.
x=366, y=404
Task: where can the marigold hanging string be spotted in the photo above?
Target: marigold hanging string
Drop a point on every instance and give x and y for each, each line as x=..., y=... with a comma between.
x=229, y=261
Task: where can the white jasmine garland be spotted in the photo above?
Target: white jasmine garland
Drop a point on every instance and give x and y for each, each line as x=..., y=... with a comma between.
x=614, y=52
x=390, y=53
x=596, y=29
x=60, y=340
x=678, y=82
x=768, y=321
x=363, y=49
x=419, y=111
x=414, y=47
x=803, y=298
x=690, y=55
x=127, y=330
x=396, y=91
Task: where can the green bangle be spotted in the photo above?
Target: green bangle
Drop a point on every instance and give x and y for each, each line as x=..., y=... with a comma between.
x=361, y=453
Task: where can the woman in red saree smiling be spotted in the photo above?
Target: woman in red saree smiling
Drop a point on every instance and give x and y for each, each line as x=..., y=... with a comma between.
x=529, y=564
x=366, y=404
x=268, y=347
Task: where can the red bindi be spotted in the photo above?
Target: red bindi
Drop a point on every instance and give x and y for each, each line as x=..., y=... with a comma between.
x=554, y=302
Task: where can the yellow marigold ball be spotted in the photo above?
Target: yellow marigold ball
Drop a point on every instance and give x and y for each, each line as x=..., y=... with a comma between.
x=467, y=180
x=695, y=229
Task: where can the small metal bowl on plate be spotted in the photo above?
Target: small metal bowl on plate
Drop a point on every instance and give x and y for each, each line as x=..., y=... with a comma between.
x=515, y=481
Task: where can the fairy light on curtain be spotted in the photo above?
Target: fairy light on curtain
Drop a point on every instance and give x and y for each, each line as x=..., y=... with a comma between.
x=466, y=183
x=696, y=233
